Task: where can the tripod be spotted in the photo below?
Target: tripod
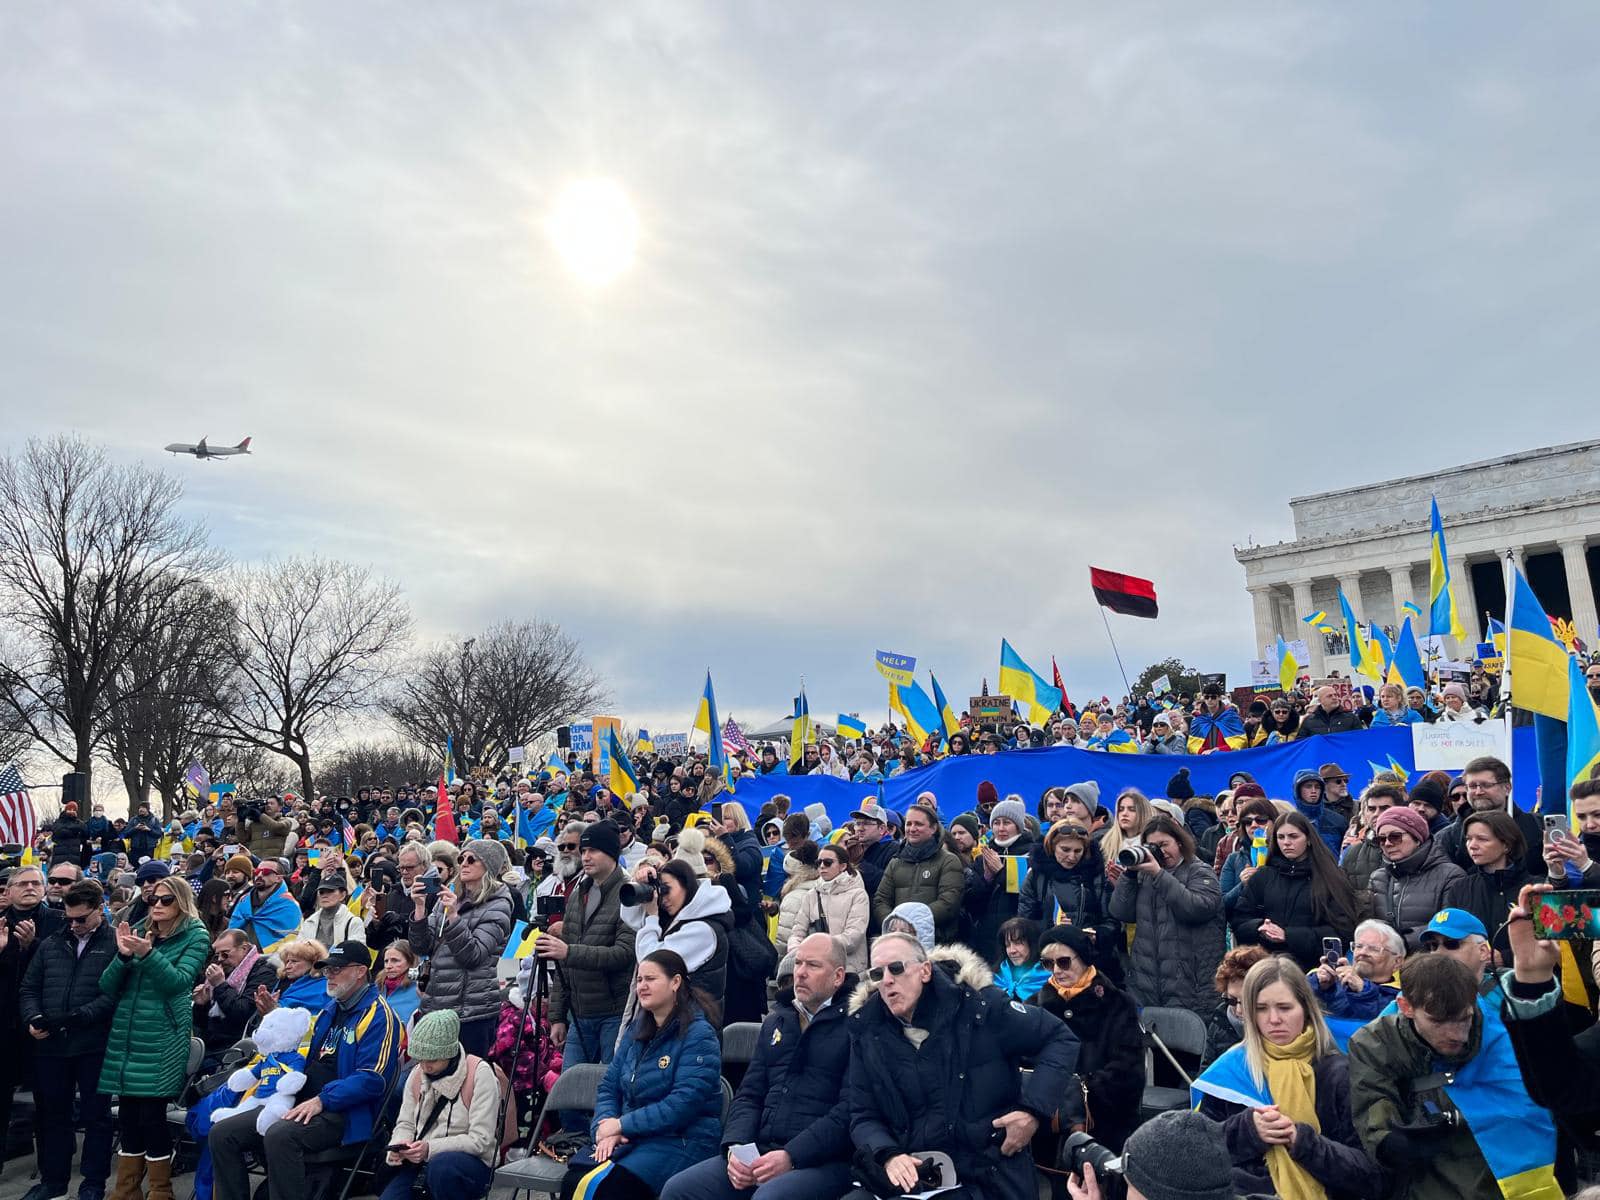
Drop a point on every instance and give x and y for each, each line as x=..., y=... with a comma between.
x=535, y=1007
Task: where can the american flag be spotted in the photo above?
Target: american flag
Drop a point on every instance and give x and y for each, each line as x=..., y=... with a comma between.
x=17, y=822
x=733, y=736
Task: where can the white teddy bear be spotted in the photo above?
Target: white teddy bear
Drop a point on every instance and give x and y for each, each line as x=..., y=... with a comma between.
x=270, y=1080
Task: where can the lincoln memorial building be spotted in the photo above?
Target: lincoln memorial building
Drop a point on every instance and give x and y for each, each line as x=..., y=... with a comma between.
x=1541, y=505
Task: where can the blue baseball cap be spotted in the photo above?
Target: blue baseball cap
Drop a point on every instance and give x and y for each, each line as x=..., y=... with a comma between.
x=1455, y=923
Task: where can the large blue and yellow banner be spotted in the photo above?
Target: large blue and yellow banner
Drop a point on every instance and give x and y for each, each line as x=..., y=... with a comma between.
x=1030, y=772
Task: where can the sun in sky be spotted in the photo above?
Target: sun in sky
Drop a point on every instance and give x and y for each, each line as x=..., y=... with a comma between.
x=594, y=230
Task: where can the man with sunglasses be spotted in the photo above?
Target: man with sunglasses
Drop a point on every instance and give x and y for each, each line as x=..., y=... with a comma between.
x=1458, y=934
x=935, y=1065
x=68, y=1019
x=267, y=913
x=28, y=922
x=62, y=876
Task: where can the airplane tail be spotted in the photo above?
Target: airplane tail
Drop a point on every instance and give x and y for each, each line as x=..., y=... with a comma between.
x=244, y=445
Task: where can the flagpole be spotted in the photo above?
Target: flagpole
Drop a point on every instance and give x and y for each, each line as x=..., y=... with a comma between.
x=1121, y=669
x=1505, y=682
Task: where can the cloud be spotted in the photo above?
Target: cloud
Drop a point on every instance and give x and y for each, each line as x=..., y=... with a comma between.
x=933, y=307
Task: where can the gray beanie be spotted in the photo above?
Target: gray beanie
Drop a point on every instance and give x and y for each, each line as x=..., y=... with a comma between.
x=919, y=916
x=496, y=862
x=1177, y=1156
x=436, y=1035
x=1088, y=791
x=1012, y=810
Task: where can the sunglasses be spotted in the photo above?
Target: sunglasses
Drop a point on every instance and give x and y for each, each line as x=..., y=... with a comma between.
x=468, y=860
x=83, y=920
x=63, y=882
x=158, y=900
x=1233, y=1002
x=1392, y=838
x=1063, y=962
x=1437, y=941
x=896, y=969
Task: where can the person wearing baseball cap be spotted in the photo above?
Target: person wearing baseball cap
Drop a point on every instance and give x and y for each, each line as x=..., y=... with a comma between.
x=1460, y=935
x=331, y=921
x=1415, y=875
x=871, y=845
x=355, y=1051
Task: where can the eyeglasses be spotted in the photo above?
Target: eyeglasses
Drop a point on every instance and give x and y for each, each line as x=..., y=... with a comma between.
x=1062, y=962
x=1393, y=838
x=1233, y=1002
x=896, y=969
x=162, y=901
x=1437, y=941
x=468, y=860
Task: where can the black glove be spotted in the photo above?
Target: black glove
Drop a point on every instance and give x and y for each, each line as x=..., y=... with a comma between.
x=869, y=1173
x=1413, y=1146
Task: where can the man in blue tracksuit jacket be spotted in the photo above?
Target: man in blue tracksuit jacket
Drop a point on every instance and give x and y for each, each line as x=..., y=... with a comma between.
x=355, y=1051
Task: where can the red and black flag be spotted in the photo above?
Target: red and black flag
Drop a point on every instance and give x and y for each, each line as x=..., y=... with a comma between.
x=1126, y=594
x=1066, y=704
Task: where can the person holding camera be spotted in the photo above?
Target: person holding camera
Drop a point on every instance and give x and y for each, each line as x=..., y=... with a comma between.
x=462, y=939
x=1363, y=987
x=1295, y=1136
x=936, y=1051
x=265, y=832
x=1172, y=1156
x=1300, y=897
x=593, y=954
x=673, y=908
x=1413, y=1093
x=1176, y=902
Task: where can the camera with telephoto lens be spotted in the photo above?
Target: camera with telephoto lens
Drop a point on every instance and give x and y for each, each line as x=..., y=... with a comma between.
x=1130, y=857
x=1080, y=1150
x=642, y=893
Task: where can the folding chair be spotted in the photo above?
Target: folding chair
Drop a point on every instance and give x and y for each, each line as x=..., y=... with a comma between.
x=576, y=1090
x=738, y=1048
x=1179, y=1038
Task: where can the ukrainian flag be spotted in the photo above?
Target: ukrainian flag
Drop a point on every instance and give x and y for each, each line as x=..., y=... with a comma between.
x=1583, y=730
x=1407, y=665
x=947, y=715
x=1411, y=610
x=803, y=730
x=1318, y=621
x=1537, y=660
x=520, y=943
x=851, y=727
x=1379, y=652
x=915, y=709
x=1258, y=848
x=1394, y=765
x=624, y=780
x=1288, y=668
x=643, y=743
x=1442, y=617
x=1016, y=872
x=705, y=719
x=1497, y=634
x=1022, y=683
x=1358, y=647
x=314, y=856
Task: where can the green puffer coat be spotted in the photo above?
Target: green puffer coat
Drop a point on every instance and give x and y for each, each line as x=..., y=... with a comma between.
x=148, y=1053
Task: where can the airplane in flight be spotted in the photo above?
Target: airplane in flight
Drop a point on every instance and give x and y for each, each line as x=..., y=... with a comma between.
x=203, y=451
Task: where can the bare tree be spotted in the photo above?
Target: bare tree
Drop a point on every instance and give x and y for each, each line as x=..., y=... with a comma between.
x=380, y=764
x=314, y=641
x=89, y=551
x=254, y=772
x=160, y=729
x=504, y=688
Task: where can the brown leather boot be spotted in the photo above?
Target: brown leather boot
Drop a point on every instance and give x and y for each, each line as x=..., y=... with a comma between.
x=159, y=1174
x=130, y=1174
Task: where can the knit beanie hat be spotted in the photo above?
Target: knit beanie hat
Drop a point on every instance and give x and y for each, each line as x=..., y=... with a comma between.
x=1456, y=690
x=1407, y=820
x=491, y=854
x=1011, y=810
x=602, y=836
x=436, y=1035
x=968, y=822
x=1429, y=793
x=1088, y=791
x=692, y=850
x=1245, y=790
x=987, y=794
x=240, y=863
x=919, y=916
x=1178, y=1156
x=1179, y=788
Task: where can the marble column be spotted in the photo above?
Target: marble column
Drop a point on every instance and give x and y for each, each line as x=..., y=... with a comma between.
x=1266, y=616
x=1466, y=605
x=1400, y=582
x=1580, y=591
x=1304, y=608
x=1350, y=584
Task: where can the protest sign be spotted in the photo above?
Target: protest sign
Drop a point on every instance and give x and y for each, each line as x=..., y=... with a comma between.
x=517, y=754
x=601, y=752
x=898, y=669
x=1451, y=745
x=989, y=710
x=1342, y=687
x=672, y=745
x=1160, y=685
x=1263, y=675
x=580, y=738
x=1220, y=678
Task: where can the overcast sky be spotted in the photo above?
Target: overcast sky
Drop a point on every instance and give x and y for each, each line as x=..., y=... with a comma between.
x=933, y=304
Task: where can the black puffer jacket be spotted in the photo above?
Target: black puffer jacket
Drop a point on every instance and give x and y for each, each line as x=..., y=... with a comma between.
x=1110, y=1054
x=67, y=834
x=1080, y=894
x=1490, y=896
x=1281, y=892
x=599, y=967
x=63, y=987
x=948, y=1093
x=1179, y=938
x=792, y=1097
x=996, y=905
x=1406, y=894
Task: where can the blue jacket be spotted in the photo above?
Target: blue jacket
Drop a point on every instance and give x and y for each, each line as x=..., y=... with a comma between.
x=668, y=1094
x=1408, y=716
x=279, y=917
x=364, y=1042
x=792, y=1095
x=309, y=992
x=1364, y=1005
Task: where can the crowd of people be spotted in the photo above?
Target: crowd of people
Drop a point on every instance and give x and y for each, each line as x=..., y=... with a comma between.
x=918, y=996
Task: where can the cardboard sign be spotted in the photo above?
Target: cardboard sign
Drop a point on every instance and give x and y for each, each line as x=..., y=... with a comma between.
x=989, y=710
x=517, y=754
x=601, y=751
x=1220, y=678
x=1451, y=745
x=1344, y=687
x=672, y=745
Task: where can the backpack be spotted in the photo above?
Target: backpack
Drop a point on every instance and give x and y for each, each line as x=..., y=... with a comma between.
x=508, y=1120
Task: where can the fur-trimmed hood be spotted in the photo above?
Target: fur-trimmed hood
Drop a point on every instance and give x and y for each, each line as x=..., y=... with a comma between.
x=959, y=964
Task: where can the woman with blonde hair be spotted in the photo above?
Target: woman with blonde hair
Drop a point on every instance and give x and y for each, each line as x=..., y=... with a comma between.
x=463, y=937
x=1282, y=1096
x=151, y=981
x=300, y=981
x=1132, y=813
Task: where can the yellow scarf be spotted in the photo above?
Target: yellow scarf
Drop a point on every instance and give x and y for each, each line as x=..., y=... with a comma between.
x=1071, y=990
x=1293, y=1088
